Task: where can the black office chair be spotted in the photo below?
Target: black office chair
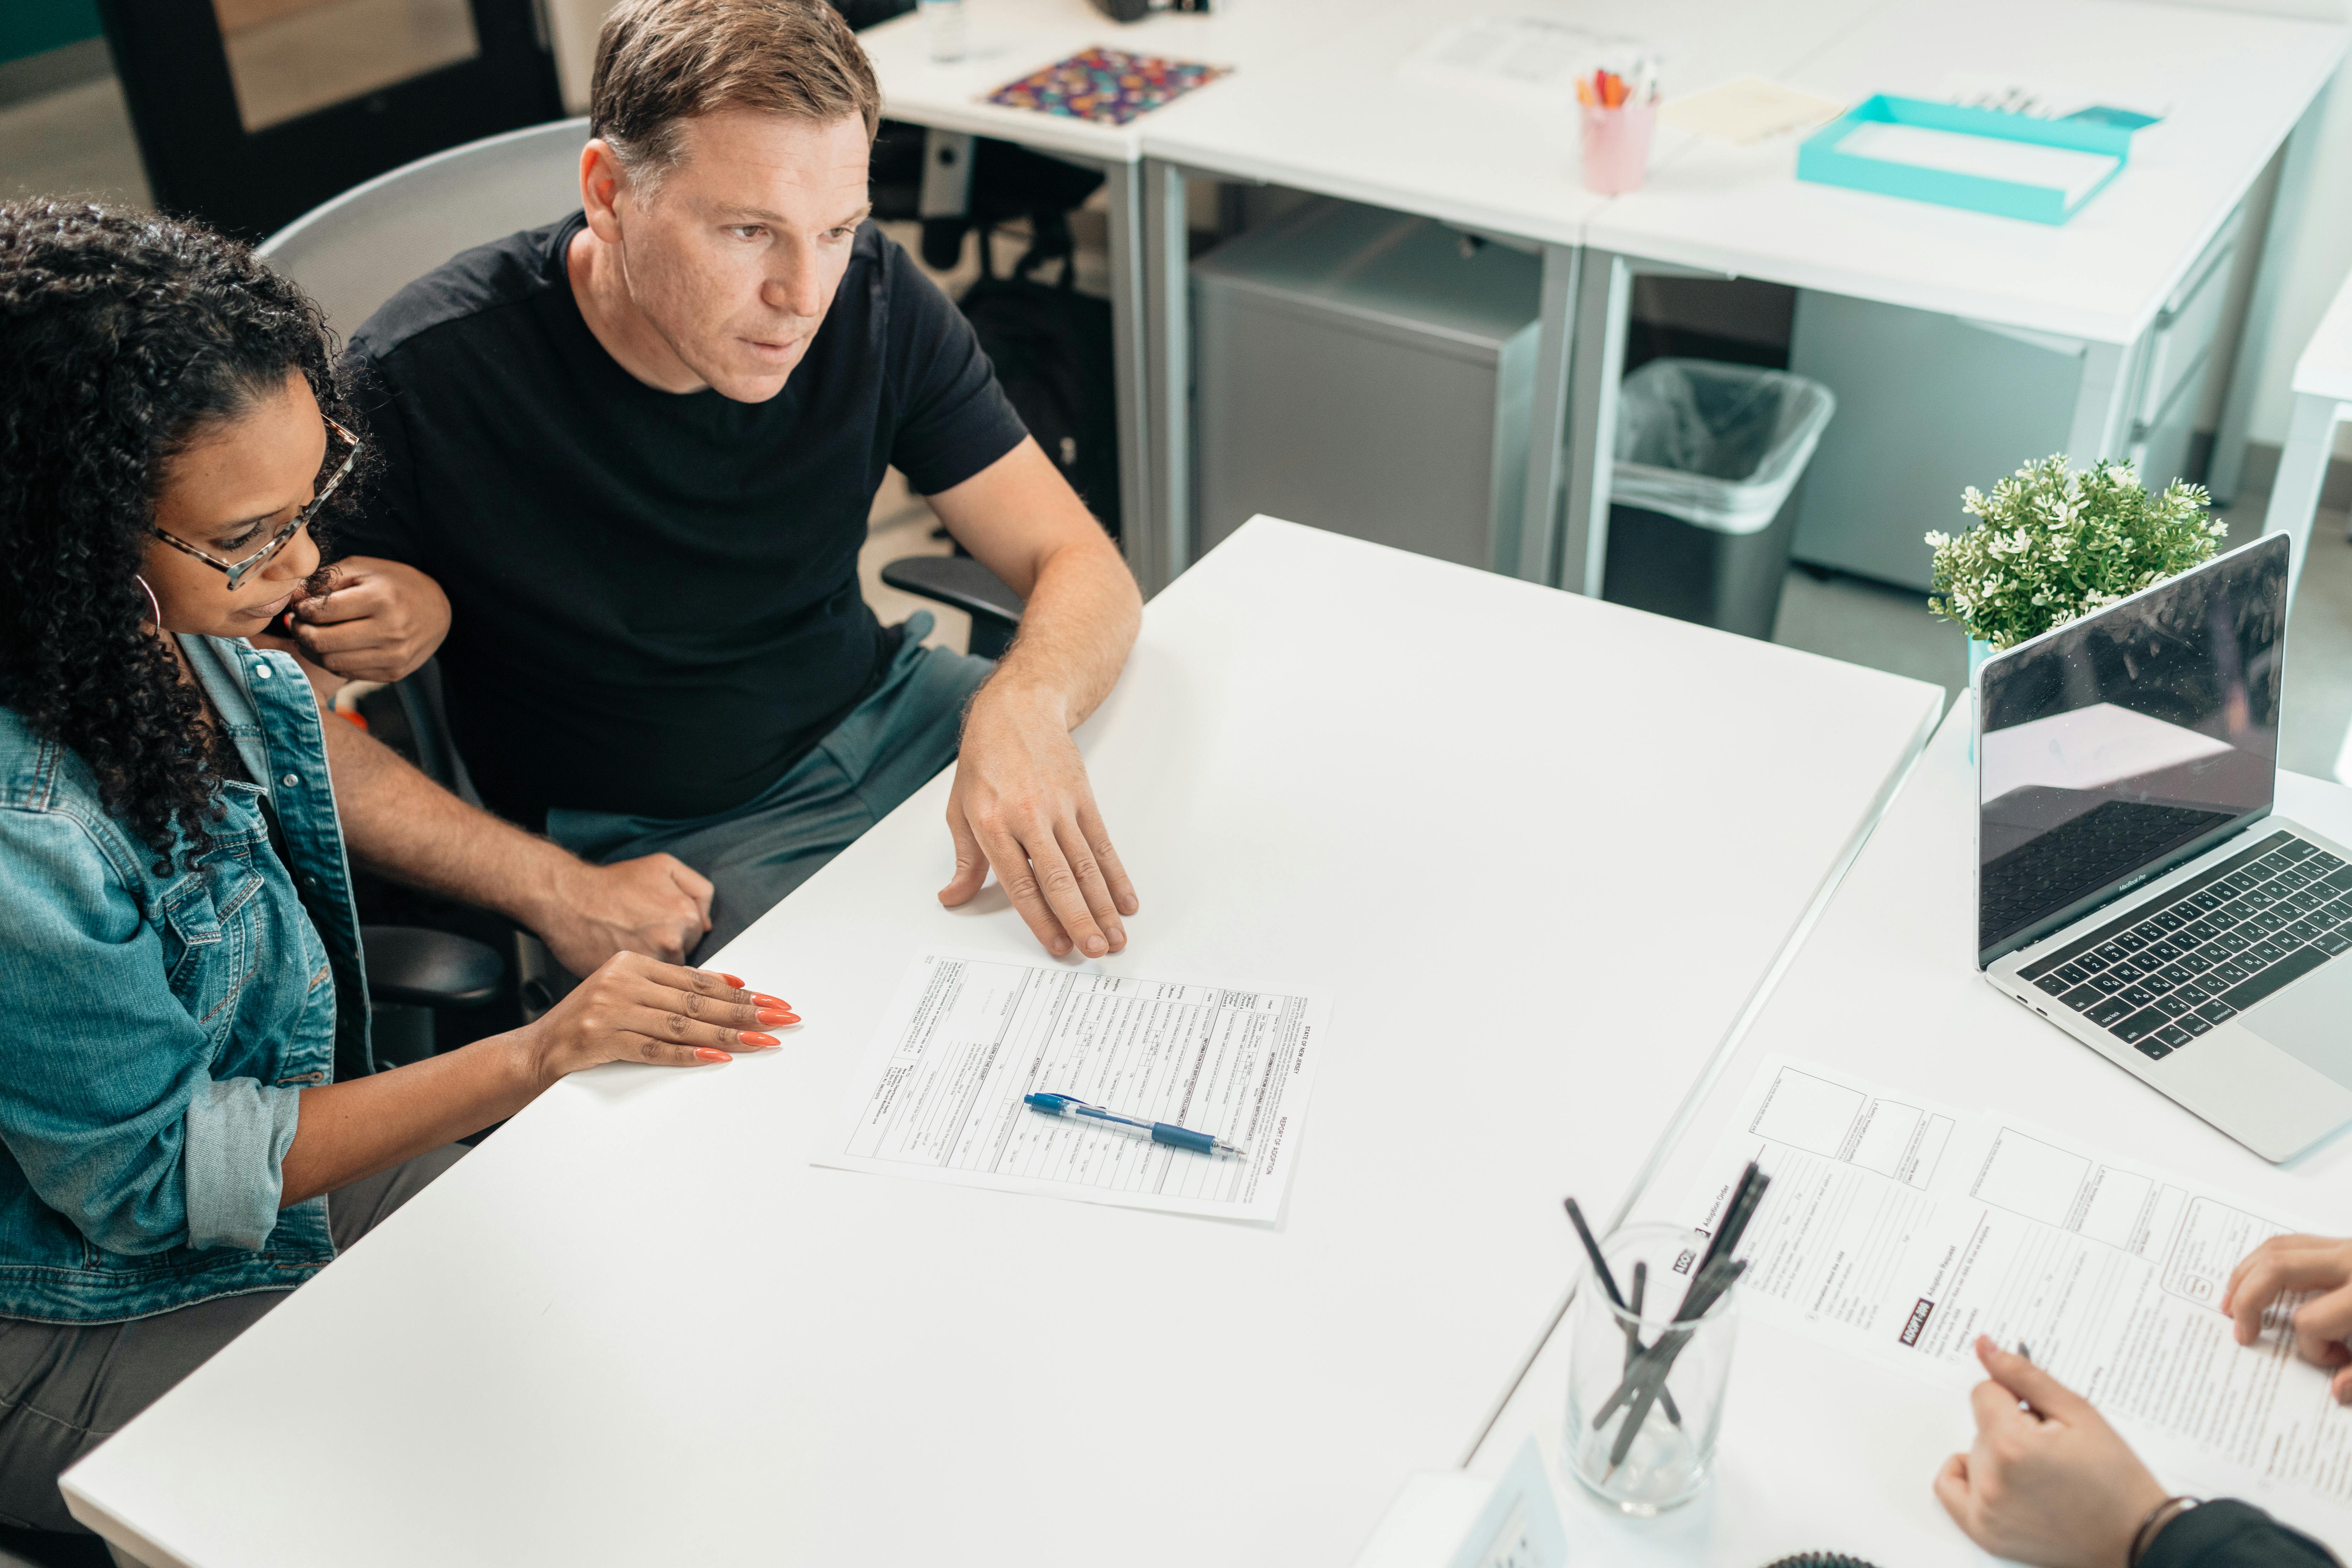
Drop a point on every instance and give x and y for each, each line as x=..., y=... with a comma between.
x=435, y=978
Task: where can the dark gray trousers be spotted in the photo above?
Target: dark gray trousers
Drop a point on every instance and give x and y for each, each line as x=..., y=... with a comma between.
x=65, y=1389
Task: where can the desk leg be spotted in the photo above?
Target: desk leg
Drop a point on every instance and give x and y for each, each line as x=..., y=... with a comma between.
x=1130, y=362
x=1547, y=420
x=1603, y=299
x=1166, y=277
x=2102, y=426
x=2303, y=469
x=2228, y=468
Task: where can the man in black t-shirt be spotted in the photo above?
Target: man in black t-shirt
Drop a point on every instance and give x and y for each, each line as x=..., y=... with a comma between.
x=638, y=448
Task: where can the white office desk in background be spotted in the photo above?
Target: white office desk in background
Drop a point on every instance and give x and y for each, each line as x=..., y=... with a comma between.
x=1358, y=116
x=1537, y=849
x=1822, y=1451
x=2235, y=86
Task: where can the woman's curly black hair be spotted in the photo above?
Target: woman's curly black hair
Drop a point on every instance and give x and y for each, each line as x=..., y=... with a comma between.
x=125, y=335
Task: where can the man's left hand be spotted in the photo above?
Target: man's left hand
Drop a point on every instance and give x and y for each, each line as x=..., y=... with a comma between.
x=380, y=622
x=1021, y=804
x=655, y=904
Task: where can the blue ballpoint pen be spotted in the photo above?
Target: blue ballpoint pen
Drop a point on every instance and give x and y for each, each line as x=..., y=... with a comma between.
x=1162, y=1131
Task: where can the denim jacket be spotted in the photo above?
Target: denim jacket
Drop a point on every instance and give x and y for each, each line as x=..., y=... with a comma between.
x=156, y=1032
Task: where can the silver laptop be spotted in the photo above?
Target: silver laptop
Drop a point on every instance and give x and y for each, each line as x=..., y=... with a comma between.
x=2132, y=886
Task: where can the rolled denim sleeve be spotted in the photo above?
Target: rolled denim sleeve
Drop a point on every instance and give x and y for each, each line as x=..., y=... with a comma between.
x=106, y=1100
x=238, y=1132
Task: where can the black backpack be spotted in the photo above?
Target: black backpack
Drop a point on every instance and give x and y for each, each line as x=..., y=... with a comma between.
x=1051, y=346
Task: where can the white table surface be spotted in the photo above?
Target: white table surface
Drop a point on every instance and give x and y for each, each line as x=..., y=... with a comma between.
x=1536, y=848
x=2325, y=368
x=2236, y=84
x=1007, y=40
x=1340, y=117
x=1820, y=1451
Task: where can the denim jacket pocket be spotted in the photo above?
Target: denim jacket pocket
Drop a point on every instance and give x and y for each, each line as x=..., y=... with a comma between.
x=203, y=956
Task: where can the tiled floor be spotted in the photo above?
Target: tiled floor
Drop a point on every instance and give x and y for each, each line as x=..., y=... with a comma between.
x=78, y=142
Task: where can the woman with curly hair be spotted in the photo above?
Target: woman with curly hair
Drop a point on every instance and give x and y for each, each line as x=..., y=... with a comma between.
x=180, y=971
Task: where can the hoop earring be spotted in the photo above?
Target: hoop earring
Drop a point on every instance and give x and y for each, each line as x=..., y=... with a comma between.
x=152, y=604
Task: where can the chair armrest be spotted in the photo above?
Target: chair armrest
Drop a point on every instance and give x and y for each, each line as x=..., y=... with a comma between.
x=429, y=968
x=955, y=580
x=965, y=583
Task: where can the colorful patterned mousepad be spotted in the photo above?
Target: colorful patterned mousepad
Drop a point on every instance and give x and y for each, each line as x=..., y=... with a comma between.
x=1106, y=85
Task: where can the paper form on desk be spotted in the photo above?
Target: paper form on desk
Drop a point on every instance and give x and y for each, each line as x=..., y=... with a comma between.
x=1901, y=1230
x=969, y=1035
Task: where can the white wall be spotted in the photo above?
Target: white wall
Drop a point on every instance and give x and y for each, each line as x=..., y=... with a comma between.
x=2323, y=250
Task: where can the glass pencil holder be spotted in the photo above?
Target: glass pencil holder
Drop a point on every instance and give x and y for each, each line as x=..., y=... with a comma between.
x=1645, y=1391
x=1617, y=146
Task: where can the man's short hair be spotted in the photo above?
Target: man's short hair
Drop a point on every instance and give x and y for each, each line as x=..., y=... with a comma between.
x=660, y=63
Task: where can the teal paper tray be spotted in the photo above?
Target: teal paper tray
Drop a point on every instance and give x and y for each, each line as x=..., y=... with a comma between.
x=1821, y=160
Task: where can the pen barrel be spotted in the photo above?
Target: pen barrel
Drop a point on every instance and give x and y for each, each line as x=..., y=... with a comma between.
x=1182, y=1138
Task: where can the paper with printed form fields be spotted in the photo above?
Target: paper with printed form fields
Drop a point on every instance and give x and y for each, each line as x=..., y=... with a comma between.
x=1901, y=1230
x=969, y=1034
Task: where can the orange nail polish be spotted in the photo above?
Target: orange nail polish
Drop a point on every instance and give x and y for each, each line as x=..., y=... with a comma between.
x=761, y=999
x=706, y=1054
x=734, y=980
x=772, y=1016
x=749, y=1038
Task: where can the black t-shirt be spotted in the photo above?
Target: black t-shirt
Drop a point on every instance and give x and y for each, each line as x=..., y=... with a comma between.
x=654, y=600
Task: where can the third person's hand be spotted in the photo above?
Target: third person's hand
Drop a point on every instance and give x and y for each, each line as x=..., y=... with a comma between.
x=2287, y=1264
x=2053, y=1484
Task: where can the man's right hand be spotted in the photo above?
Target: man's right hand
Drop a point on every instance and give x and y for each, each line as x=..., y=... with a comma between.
x=2285, y=1264
x=657, y=905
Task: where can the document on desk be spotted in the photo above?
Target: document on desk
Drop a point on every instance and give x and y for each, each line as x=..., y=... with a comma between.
x=940, y=1095
x=1901, y=1230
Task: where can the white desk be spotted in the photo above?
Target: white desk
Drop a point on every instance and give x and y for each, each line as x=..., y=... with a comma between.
x=1819, y=1451
x=1006, y=41
x=1341, y=117
x=2238, y=85
x=2323, y=396
x=1334, y=118
x=1537, y=848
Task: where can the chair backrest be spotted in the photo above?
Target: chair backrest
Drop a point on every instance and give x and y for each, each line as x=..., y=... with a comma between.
x=358, y=250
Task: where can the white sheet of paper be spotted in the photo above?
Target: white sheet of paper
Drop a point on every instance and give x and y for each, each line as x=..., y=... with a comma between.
x=2043, y=100
x=2061, y=169
x=1746, y=112
x=1899, y=1231
x=1528, y=60
x=969, y=1034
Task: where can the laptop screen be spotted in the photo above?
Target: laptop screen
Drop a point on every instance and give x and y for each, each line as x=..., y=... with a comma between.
x=2117, y=747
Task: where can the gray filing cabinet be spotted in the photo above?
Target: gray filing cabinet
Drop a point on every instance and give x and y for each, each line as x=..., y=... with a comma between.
x=1929, y=404
x=1369, y=373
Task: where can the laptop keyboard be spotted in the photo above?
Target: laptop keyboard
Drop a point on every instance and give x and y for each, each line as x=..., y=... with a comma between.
x=2252, y=925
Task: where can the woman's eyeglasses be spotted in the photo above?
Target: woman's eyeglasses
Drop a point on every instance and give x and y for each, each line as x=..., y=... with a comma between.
x=239, y=570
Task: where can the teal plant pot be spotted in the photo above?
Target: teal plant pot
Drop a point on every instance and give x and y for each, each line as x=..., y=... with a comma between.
x=1979, y=650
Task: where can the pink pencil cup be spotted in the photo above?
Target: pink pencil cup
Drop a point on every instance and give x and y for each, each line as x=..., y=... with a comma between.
x=1617, y=146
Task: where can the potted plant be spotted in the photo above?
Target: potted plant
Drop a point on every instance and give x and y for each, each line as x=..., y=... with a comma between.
x=2051, y=545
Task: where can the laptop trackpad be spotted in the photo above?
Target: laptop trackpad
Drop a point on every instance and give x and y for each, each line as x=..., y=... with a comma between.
x=2312, y=1020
